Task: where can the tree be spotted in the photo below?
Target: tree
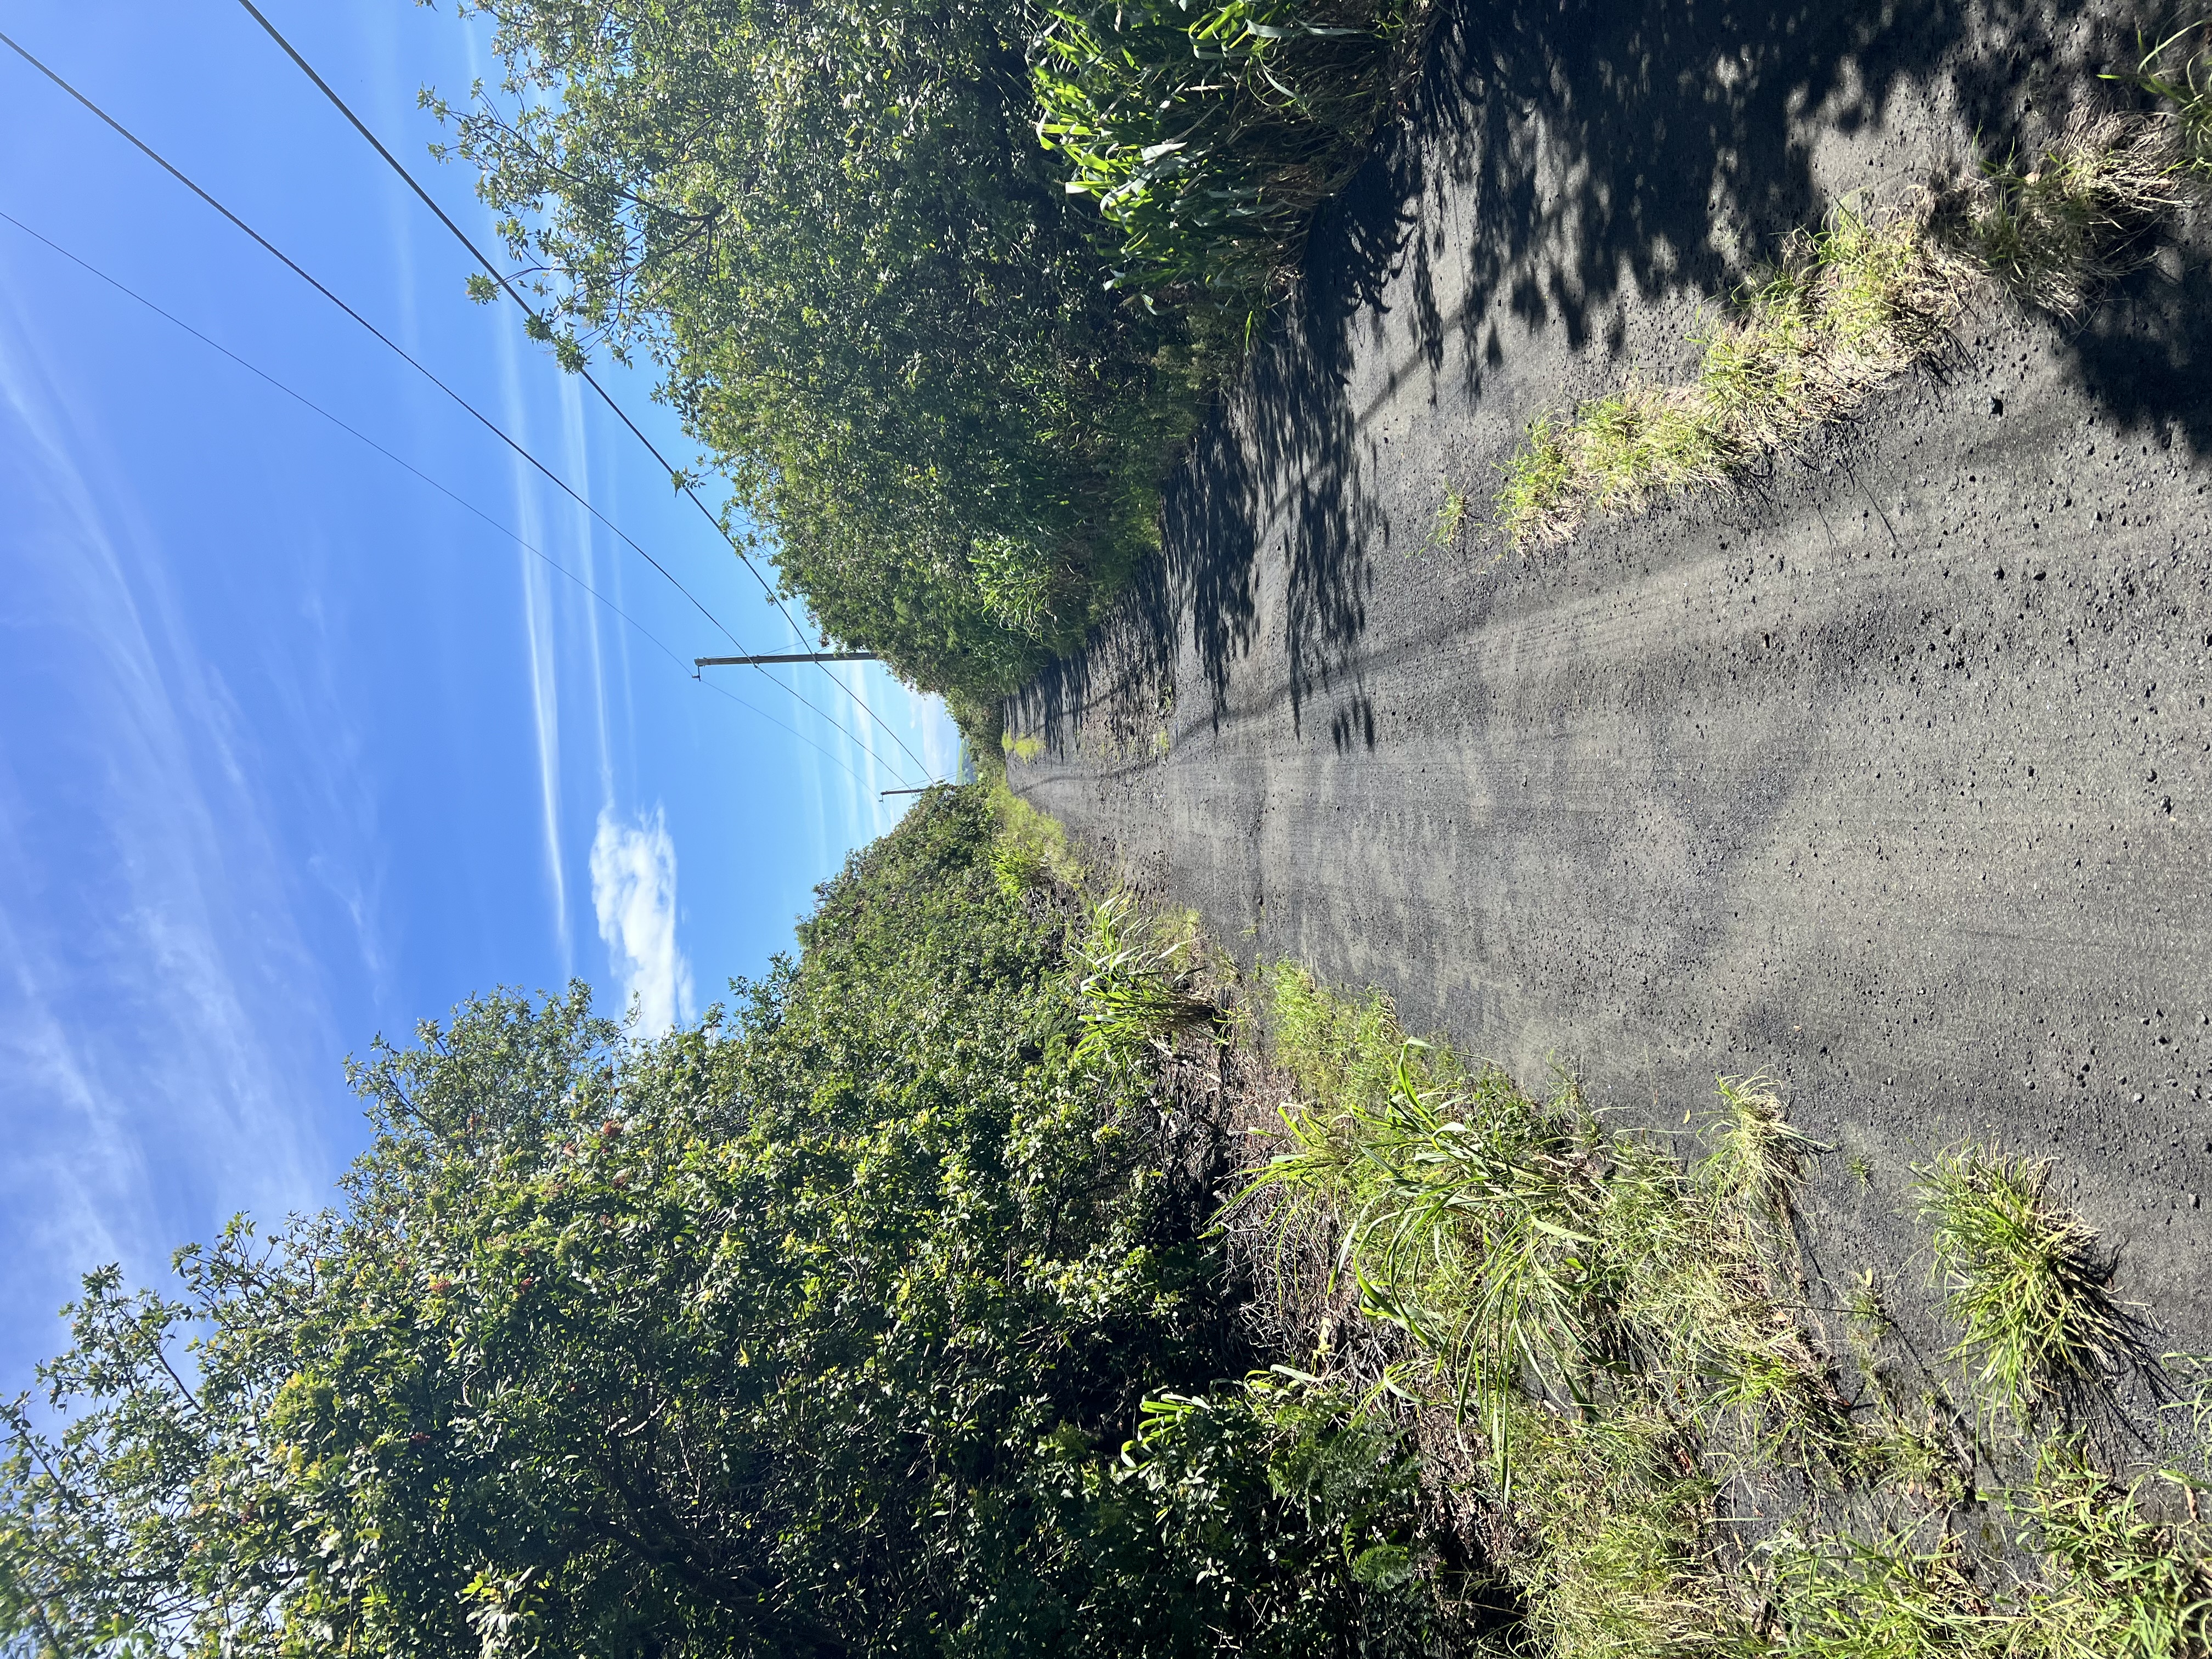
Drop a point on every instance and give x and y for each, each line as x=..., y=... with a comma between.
x=833, y=225
x=826, y=1328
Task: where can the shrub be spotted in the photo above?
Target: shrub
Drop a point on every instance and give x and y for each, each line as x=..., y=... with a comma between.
x=824, y=1329
x=879, y=300
x=1207, y=137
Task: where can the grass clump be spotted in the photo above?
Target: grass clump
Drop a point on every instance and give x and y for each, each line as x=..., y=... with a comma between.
x=1344, y=1053
x=1208, y=135
x=2179, y=70
x=1757, y=1159
x=2084, y=1571
x=1134, y=977
x=1030, y=848
x=1870, y=295
x=2032, y=1300
x=1450, y=520
x=1841, y=309
x=2052, y=233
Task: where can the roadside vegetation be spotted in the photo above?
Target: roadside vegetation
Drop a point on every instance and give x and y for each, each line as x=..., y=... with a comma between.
x=1874, y=291
x=1009, y=1274
x=878, y=1315
x=942, y=290
x=1633, y=1392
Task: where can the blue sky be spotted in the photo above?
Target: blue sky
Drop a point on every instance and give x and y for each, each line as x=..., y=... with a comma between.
x=295, y=749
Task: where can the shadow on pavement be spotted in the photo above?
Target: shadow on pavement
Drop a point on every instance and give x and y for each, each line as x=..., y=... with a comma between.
x=1609, y=152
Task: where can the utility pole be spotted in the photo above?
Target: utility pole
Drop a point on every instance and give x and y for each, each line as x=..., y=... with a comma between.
x=698, y=663
x=924, y=790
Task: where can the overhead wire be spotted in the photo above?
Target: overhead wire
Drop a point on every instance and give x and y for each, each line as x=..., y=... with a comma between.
x=400, y=461
x=506, y=285
x=407, y=357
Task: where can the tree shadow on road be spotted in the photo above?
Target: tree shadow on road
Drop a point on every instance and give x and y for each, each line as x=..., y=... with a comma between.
x=1604, y=155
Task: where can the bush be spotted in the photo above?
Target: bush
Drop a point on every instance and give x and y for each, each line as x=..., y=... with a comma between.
x=818, y=1330
x=876, y=297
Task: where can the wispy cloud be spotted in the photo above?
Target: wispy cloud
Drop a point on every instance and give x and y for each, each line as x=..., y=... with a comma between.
x=162, y=1020
x=538, y=617
x=634, y=891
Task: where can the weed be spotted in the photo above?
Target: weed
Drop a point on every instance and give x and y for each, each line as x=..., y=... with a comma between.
x=2054, y=232
x=1918, y=1459
x=2181, y=73
x=1451, y=519
x=1860, y=1168
x=1603, y=1323
x=1537, y=501
x=1344, y=1053
x=1865, y=1309
x=2032, y=1300
x=1756, y=1160
x=1030, y=848
x=2125, y=1586
x=1850, y=1598
x=1839, y=311
x=1607, y=1543
x=2191, y=1374
x=1023, y=749
x=1867, y=296
x=1133, y=976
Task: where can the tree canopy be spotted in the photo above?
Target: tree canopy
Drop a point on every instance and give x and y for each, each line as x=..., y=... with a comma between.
x=877, y=1316
x=945, y=382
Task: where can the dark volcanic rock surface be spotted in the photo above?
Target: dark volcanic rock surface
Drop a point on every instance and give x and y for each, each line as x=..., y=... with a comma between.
x=1890, y=773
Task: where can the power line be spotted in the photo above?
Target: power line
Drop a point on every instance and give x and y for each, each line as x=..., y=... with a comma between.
x=400, y=461
x=483, y=419
x=514, y=294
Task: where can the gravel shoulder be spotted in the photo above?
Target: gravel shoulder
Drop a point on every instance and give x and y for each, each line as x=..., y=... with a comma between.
x=1889, y=773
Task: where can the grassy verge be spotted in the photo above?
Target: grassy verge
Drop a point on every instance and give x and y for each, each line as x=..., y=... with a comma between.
x=1634, y=1404
x=1662, y=1434
x=1848, y=307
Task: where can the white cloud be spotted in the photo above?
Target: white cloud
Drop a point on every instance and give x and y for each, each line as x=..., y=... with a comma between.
x=634, y=890
x=165, y=1044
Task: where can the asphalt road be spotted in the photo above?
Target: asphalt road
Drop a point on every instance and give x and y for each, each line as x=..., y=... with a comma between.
x=1890, y=774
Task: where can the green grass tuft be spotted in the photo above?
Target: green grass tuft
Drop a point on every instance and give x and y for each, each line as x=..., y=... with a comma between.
x=2032, y=1301
x=1030, y=849
x=2054, y=232
x=2179, y=70
x=1848, y=307
x=1840, y=310
x=1756, y=1157
x=1134, y=977
x=1451, y=519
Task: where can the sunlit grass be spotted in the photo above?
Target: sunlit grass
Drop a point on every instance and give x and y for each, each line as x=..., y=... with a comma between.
x=1031, y=848
x=1845, y=309
x=2023, y=1280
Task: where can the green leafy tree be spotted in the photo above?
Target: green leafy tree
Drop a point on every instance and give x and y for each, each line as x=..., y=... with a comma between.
x=944, y=286
x=826, y=1328
x=835, y=225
